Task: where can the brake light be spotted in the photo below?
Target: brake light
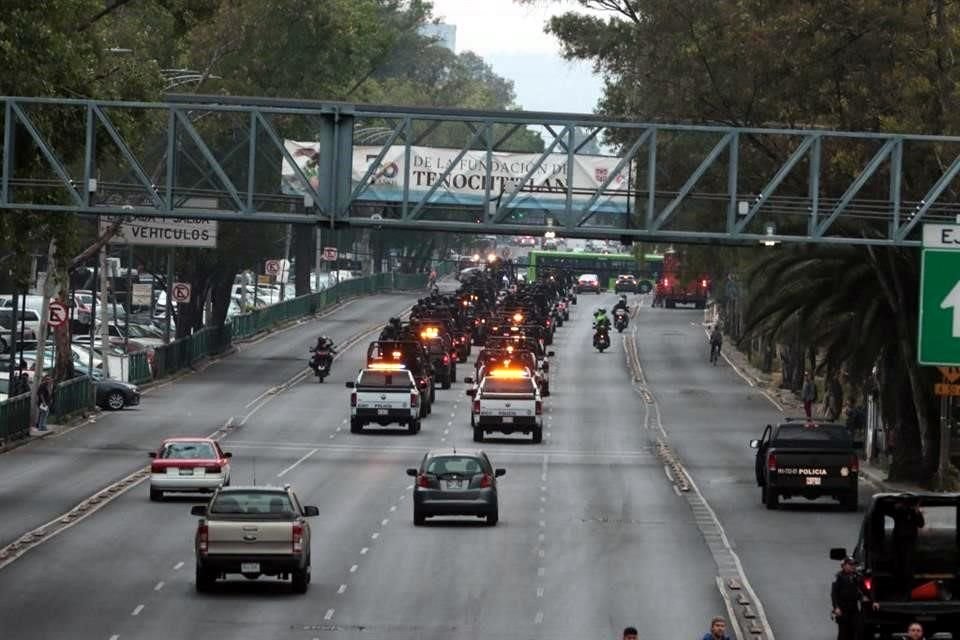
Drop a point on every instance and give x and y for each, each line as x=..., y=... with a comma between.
x=854, y=464
x=772, y=462
x=476, y=406
x=414, y=399
x=422, y=382
x=486, y=481
x=548, y=322
x=297, y=538
x=868, y=583
x=353, y=399
x=539, y=407
x=214, y=468
x=666, y=282
x=203, y=538
x=703, y=283
x=422, y=481
x=446, y=359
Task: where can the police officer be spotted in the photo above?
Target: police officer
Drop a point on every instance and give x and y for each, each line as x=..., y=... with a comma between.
x=846, y=595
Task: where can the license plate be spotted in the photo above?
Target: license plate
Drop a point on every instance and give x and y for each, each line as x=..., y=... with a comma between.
x=382, y=412
x=186, y=472
x=454, y=484
x=813, y=482
x=249, y=567
x=507, y=419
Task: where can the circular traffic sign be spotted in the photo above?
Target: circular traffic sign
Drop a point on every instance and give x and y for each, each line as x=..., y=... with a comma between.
x=272, y=267
x=57, y=314
x=181, y=292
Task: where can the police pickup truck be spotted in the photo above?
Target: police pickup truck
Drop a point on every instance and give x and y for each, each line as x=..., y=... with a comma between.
x=383, y=394
x=808, y=459
x=506, y=401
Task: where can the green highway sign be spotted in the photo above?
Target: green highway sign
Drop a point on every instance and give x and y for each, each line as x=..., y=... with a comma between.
x=939, y=329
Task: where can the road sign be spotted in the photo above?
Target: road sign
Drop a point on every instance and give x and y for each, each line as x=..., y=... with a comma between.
x=57, y=314
x=163, y=232
x=272, y=268
x=181, y=292
x=142, y=295
x=939, y=333
x=329, y=254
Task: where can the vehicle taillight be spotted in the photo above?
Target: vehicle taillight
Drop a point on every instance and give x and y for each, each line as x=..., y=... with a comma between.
x=486, y=481
x=868, y=584
x=703, y=283
x=353, y=399
x=772, y=462
x=476, y=406
x=414, y=399
x=214, y=468
x=539, y=407
x=666, y=282
x=297, y=538
x=446, y=359
x=854, y=464
x=156, y=467
x=422, y=382
x=422, y=481
x=548, y=322
x=203, y=538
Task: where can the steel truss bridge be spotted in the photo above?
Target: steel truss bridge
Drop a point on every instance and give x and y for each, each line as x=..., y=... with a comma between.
x=223, y=158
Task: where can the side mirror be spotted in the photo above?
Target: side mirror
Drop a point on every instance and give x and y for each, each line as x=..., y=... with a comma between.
x=468, y=380
x=500, y=472
x=754, y=444
x=310, y=511
x=471, y=392
x=198, y=510
x=838, y=553
x=349, y=384
x=550, y=354
x=227, y=454
x=412, y=472
x=152, y=454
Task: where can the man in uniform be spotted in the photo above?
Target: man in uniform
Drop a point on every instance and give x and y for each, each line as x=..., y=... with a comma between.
x=845, y=596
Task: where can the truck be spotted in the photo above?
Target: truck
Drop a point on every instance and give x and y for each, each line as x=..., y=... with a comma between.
x=253, y=531
x=506, y=401
x=804, y=458
x=676, y=287
x=930, y=594
x=384, y=394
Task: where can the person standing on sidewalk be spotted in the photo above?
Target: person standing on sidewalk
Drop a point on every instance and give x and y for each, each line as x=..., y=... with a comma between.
x=44, y=402
x=808, y=394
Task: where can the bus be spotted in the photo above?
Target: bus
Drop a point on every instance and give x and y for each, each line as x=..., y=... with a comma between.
x=607, y=266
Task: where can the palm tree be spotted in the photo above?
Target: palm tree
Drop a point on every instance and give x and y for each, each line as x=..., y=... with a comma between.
x=855, y=308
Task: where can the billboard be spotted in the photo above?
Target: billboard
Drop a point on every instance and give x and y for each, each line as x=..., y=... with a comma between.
x=468, y=181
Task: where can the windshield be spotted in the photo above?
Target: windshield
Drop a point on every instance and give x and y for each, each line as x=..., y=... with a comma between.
x=385, y=379
x=254, y=503
x=830, y=434
x=507, y=385
x=460, y=465
x=188, y=451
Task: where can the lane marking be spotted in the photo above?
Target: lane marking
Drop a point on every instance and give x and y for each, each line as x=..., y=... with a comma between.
x=363, y=551
x=342, y=589
x=393, y=508
x=538, y=618
x=137, y=610
x=295, y=464
x=354, y=568
x=374, y=536
x=384, y=522
x=159, y=586
x=328, y=615
x=539, y=592
x=178, y=566
x=115, y=637
x=541, y=571
x=543, y=523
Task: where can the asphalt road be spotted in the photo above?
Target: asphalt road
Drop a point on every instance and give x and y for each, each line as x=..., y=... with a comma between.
x=592, y=535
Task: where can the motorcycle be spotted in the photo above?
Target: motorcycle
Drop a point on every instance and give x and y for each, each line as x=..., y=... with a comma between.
x=601, y=338
x=320, y=362
x=620, y=320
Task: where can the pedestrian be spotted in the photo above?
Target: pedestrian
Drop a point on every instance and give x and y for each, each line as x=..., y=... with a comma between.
x=833, y=398
x=22, y=384
x=808, y=394
x=846, y=594
x=630, y=633
x=718, y=630
x=907, y=522
x=44, y=402
x=915, y=631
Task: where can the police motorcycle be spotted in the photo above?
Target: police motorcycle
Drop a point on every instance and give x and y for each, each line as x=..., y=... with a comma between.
x=601, y=334
x=620, y=319
x=322, y=359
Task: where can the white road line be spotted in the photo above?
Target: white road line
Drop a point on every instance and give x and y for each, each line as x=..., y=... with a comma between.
x=159, y=586
x=538, y=619
x=666, y=472
x=178, y=566
x=543, y=524
x=539, y=592
x=354, y=568
x=443, y=439
x=543, y=487
x=328, y=615
x=137, y=610
x=374, y=536
x=295, y=464
x=115, y=637
x=409, y=486
x=385, y=522
x=543, y=477
x=393, y=508
x=342, y=588
x=541, y=571
x=363, y=551
x=338, y=429
x=402, y=496
x=541, y=553
x=543, y=498
x=676, y=490
x=333, y=435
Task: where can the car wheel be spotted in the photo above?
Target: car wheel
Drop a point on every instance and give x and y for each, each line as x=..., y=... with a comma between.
x=771, y=499
x=156, y=495
x=413, y=427
x=355, y=426
x=205, y=580
x=478, y=435
x=493, y=517
x=538, y=435
x=116, y=401
x=300, y=580
x=419, y=518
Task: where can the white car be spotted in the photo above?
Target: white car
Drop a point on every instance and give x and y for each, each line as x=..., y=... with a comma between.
x=506, y=401
x=188, y=465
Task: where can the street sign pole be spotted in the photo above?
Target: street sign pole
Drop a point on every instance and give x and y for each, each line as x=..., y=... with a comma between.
x=169, y=307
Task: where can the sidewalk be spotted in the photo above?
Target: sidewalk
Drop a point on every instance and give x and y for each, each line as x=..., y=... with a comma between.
x=788, y=402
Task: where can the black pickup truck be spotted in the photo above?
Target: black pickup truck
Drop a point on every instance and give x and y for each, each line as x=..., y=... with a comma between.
x=808, y=459
x=932, y=593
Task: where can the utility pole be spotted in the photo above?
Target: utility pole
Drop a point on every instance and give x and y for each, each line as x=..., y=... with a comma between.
x=286, y=263
x=104, y=326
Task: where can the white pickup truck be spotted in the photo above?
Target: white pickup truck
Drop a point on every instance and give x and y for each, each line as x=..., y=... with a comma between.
x=384, y=394
x=253, y=531
x=506, y=402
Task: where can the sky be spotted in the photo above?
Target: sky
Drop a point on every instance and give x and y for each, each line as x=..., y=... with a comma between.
x=510, y=37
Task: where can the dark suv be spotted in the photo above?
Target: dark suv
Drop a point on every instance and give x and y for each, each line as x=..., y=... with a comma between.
x=452, y=482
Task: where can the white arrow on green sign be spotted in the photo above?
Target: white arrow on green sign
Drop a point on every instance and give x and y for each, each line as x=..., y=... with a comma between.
x=939, y=330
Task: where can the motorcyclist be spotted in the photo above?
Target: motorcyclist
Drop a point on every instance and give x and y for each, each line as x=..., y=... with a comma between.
x=716, y=342
x=600, y=319
x=392, y=330
x=621, y=304
x=324, y=344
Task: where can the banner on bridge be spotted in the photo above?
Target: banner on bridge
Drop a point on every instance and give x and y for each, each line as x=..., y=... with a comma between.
x=467, y=182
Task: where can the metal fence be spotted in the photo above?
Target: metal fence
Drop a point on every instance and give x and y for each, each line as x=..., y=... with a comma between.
x=14, y=418
x=71, y=396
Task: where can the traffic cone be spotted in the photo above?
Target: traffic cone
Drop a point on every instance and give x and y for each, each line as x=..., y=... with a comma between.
x=927, y=591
